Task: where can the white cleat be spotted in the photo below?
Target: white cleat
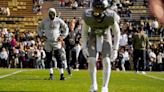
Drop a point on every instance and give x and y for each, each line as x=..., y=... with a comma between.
x=93, y=89
x=104, y=89
x=143, y=72
x=137, y=72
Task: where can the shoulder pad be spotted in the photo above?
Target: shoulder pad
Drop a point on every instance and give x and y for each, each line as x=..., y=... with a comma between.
x=113, y=14
x=88, y=12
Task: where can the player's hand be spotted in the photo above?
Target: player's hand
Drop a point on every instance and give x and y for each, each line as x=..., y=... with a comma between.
x=60, y=39
x=43, y=38
x=85, y=52
x=114, y=55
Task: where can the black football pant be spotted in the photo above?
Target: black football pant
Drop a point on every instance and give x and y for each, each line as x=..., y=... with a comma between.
x=139, y=58
x=57, y=54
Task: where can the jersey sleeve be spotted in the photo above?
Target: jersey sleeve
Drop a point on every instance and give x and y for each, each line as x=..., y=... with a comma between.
x=116, y=17
x=65, y=27
x=85, y=29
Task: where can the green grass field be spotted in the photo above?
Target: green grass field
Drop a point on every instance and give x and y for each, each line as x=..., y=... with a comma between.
x=36, y=80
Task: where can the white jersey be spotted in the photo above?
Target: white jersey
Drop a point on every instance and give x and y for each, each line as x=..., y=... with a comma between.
x=98, y=26
x=108, y=18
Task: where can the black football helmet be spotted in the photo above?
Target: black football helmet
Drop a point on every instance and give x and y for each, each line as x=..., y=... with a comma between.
x=102, y=4
x=99, y=6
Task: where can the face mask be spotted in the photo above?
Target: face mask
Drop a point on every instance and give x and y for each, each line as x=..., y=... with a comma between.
x=52, y=15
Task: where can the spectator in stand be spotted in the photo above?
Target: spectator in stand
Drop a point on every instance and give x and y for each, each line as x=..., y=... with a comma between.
x=37, y=58
x=126, y=58
x=67, y=3
x=152, y=60
x=160, y=55
x=122, y=51
x=155, y=26
x=43, y=56
x=4, y=57
x=123, y=40
x=22, y=58
x=62, y=3
x=13, y=41
x=74, y=5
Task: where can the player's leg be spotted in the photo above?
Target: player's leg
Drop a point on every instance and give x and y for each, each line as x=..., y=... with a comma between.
x=106, y=52
x=142, y=61
x=60, y=65
x=50, y=65
x=136, y=60
x=68, y=53
x=92, y=71
x=48, y=49
x=92, y=63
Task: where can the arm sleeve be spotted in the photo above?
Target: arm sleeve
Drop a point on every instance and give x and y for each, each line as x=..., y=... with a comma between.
x=147, y=42
x=65, y=28
x=116, y=32
x=85, y=29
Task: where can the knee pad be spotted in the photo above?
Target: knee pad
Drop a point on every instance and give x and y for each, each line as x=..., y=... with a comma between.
x=91, y=60
x=106, y=61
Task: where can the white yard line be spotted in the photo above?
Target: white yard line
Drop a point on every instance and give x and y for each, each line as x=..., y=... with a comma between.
x=154, y=77
x=150, y=76
x=11, y=74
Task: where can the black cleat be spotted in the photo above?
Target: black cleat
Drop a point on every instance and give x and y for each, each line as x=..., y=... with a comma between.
x=93, y=91
x=51, y=77
x=62, y=77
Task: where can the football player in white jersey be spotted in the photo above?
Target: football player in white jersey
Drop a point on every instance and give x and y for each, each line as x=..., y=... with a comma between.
x=96, y=37
x=50, y=29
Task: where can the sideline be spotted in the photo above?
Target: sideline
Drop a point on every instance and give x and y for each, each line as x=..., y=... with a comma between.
x=150, y=76
x=154, y=77
x=11, y=74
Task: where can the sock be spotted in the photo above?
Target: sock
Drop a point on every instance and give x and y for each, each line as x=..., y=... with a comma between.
x=51, y=70
x=61, y=70
x=92, y=70
x=106, y=71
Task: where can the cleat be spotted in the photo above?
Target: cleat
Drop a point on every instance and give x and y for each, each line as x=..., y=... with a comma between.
x=62, y=78
x=104, y=89
x=51, y=77
x=143, y=72
x=93, y=89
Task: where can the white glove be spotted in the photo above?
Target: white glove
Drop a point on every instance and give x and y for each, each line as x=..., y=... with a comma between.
x=114, y=55
x=85, y=52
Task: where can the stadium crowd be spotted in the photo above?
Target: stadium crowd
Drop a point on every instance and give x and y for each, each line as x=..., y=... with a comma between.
x=25, y=49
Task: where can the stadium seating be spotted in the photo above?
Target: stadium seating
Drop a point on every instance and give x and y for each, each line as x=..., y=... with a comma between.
x=21, y=15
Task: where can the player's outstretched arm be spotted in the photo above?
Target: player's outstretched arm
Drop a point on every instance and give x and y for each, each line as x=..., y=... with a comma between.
x=116, y=32
x=85, y=29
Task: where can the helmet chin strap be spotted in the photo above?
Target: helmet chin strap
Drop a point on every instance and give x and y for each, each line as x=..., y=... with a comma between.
x=99, y=17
